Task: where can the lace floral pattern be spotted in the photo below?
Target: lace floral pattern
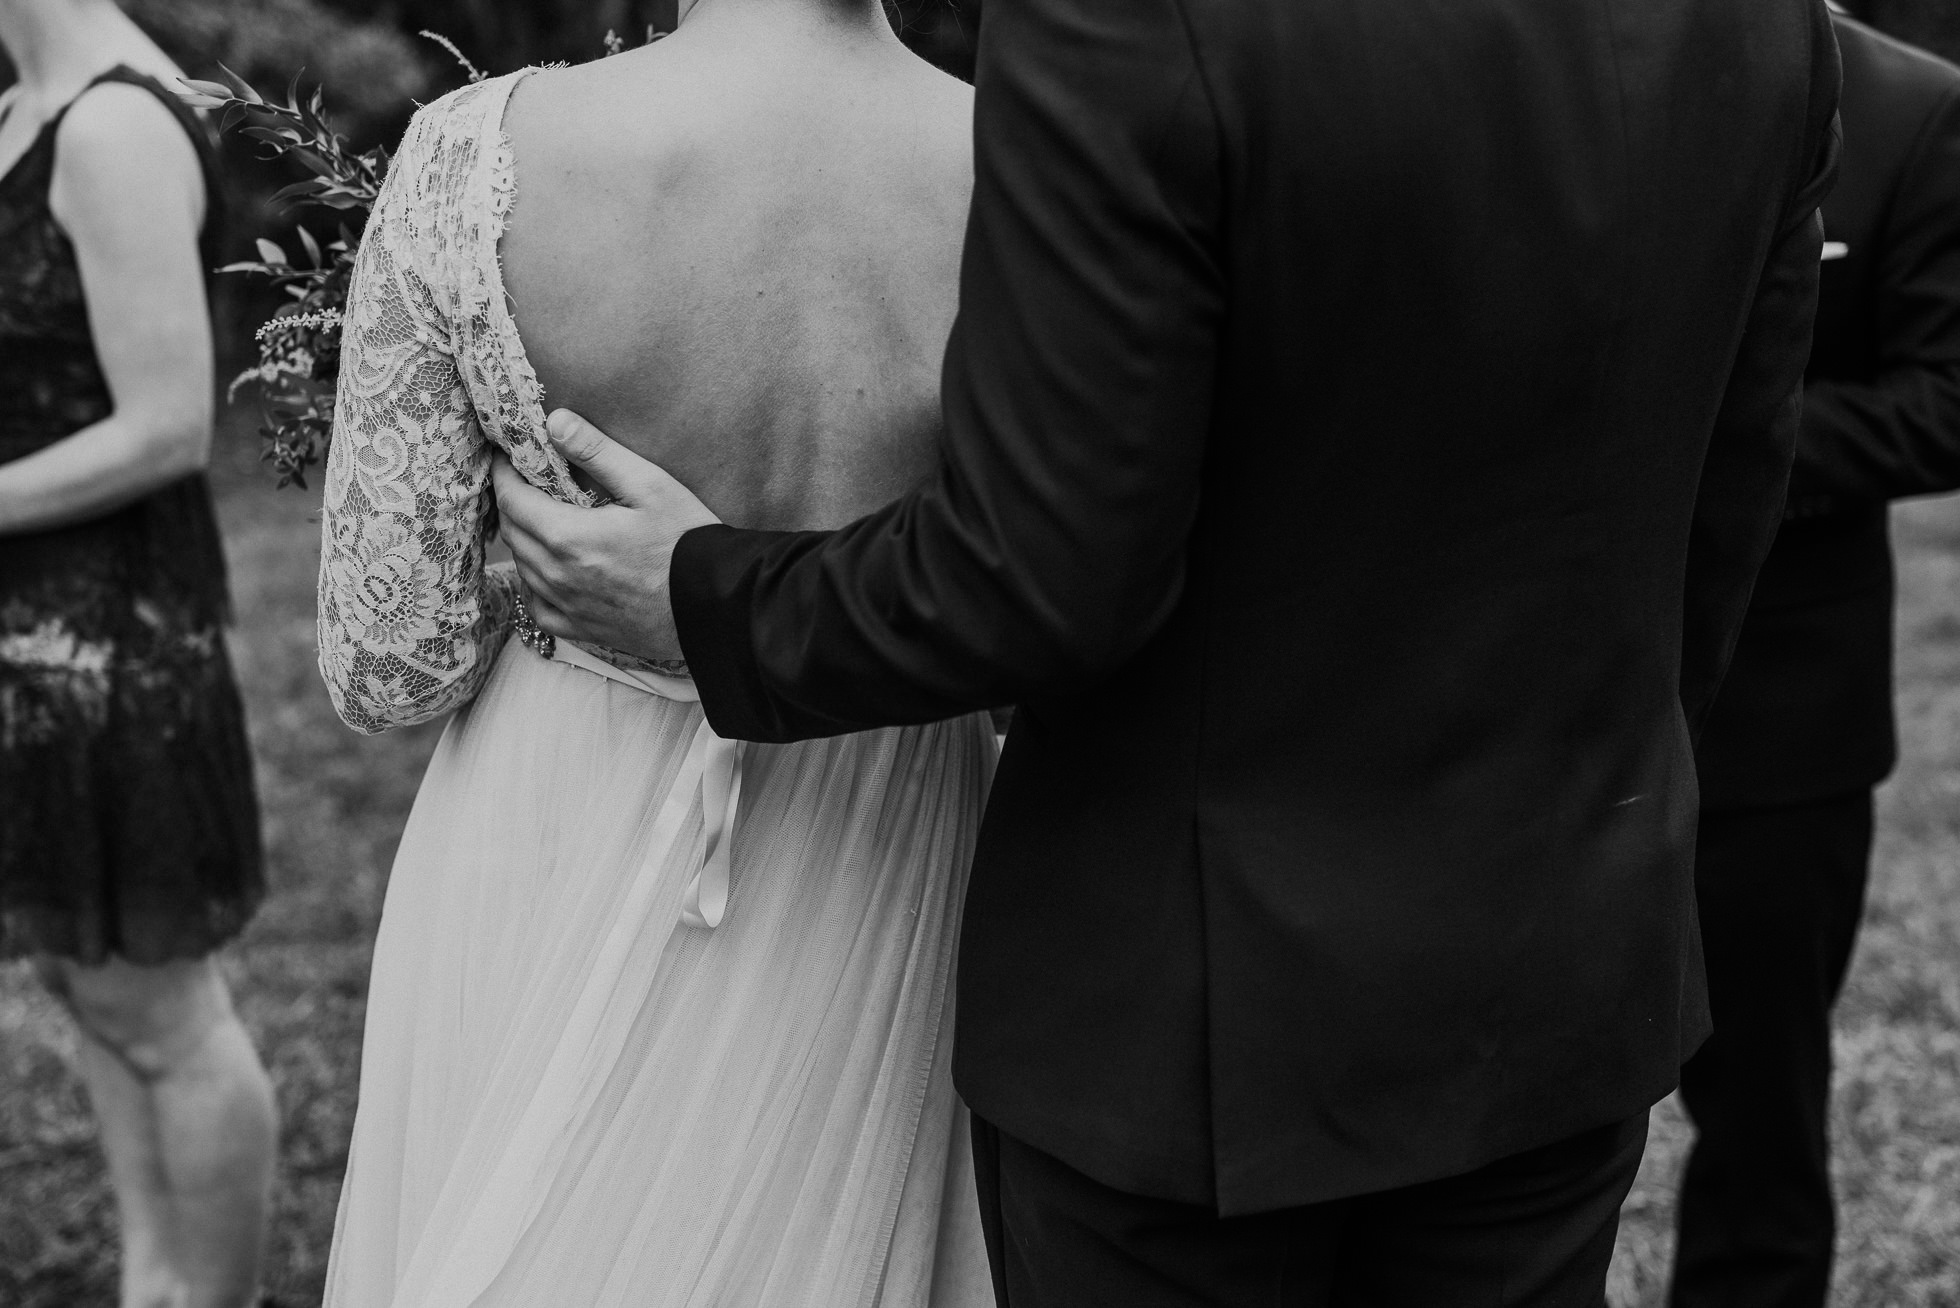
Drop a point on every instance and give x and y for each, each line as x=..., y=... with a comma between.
x=433, y=375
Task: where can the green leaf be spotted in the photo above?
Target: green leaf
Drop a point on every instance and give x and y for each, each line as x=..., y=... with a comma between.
x=298, y=191
x=281, y=139
x=271, y=253
x=312, y=162
x=205, y=95
x=241, y=86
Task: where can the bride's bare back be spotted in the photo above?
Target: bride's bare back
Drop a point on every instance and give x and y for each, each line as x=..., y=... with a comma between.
x=737, y=252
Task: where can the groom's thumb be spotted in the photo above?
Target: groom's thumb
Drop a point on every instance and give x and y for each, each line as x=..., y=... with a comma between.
x=616, y=470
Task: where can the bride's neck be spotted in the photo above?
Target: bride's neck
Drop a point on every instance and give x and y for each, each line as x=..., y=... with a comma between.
x=54, y=42
x=840, y=17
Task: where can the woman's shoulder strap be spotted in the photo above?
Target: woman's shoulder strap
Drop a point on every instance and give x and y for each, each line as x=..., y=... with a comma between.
x=203, y=140
x=194, y=127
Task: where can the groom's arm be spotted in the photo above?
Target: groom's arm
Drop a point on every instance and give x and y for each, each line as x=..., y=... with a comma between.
x=1050, y=542
x=1746, y=471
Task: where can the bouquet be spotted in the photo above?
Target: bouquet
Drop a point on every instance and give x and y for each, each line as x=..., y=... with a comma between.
x=299, y=346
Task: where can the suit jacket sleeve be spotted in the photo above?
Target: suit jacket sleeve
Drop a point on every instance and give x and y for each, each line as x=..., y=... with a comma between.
x=1050, y=542
x=1745, y=474
x=1899, y=433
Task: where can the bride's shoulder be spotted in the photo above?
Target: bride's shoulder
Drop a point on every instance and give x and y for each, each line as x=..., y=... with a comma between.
x=948, y=103
x=435, y=166
x=459, y=122
x=448, y=187
x=939, y=87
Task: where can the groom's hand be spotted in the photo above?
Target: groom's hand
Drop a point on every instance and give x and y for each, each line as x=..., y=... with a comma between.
x=600, y=575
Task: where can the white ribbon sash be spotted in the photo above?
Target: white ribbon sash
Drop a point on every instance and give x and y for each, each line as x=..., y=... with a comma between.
x=712, y=768
x=494, y=1217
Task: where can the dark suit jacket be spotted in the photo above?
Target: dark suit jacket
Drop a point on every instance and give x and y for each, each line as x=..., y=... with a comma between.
x=1363, y=423
x=1806, y=710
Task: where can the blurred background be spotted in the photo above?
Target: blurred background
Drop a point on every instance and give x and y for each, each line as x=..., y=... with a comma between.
x=334, y=803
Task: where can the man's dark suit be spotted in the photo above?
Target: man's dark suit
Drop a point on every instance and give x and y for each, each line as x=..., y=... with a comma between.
x=1364, y=421
x=1803, y=728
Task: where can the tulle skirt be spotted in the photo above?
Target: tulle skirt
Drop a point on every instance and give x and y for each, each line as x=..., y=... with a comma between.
x=570, y=1096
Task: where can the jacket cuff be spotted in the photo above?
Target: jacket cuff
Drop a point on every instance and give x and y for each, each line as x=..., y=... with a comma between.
x=710, y=585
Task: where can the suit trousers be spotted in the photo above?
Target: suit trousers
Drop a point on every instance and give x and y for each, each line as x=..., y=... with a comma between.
x=1781, y=891
x=1532, y=1231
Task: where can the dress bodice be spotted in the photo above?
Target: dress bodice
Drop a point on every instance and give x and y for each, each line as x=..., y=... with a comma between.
x=51, y=383
x=433, y=377
x=158, y=556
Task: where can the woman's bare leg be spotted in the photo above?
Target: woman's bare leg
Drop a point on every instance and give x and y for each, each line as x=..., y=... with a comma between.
x=125, y=1124
x=188, y=1125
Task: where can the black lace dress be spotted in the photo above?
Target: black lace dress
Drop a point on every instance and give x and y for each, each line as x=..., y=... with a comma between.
x=128, y=823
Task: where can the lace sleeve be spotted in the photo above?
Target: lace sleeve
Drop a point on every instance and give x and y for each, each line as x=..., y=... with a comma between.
x=410, y=621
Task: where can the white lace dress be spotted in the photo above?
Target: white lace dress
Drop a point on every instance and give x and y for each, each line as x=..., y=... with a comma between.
x=655, y=1019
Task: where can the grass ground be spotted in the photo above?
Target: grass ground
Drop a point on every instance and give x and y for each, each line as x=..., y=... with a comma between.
x=1896, y=1126
x=334, y=805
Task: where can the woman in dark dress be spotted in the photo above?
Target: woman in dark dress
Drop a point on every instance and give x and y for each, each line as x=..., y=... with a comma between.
x=129, y=844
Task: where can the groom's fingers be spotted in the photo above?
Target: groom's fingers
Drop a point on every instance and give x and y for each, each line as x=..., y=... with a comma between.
x=542, y=598
x=618, y=471
x=521, y=505
x=547, y=615
x=600, y=574
x=526, y=515
x=535, y=526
